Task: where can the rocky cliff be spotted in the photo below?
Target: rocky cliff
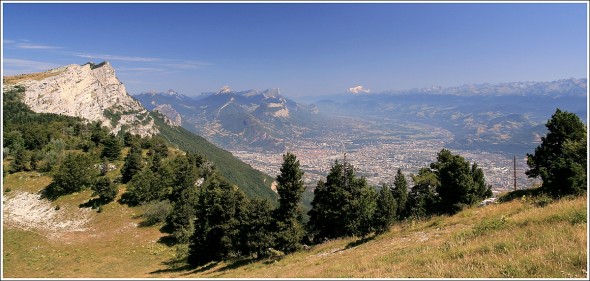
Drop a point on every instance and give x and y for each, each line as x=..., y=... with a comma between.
x=90, y=91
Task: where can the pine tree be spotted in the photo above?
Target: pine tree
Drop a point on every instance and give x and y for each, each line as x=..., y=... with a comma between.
x=458, y=183
x=184, y=198
x=21, y=161
x=256, y=228
x=98, y=133
x=142, y=188
x=561, y=158
x=105, y=189
x=423, y=200
x=133, y=164
x=75, y=173
x=112, y=148
x=400, y=194
x=216, y=233
x=385, y=213
x=290, y=188
x=343, y=205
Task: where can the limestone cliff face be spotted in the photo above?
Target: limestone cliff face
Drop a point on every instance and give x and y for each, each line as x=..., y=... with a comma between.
x=171, y=117
x=89, y=91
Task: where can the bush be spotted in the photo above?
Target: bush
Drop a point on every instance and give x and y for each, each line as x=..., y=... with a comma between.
x=542, y=200
x=75, y=173
x=156, y=212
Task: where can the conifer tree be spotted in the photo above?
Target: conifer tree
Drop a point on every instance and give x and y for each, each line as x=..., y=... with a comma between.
x=217, y=223
x=112, y=148
x=105, y=189
x=385, y=212
x=561, y=158
x=343, y=205
x=75, y=173
x=289, y=230
x=133, y=164
x=256, y=228
x=400, y=194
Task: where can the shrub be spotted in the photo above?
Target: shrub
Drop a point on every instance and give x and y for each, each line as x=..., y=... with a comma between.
x=542, y=200
x=156, y=212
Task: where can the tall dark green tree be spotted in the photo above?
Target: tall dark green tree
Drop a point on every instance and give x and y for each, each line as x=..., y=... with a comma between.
x=105, y=189
x=143, y=187
x=184, y=198
x=256, y=228
x=216, y=233
x=75, y=173
x=133, y=164
x=98, y=133
x=21, y=161
x=112, y=148
x=457, y=186
x=423, y=200
x=400, y=194
x=561, y=158
x=343, y=205
x=289, y=229
x=385, y=213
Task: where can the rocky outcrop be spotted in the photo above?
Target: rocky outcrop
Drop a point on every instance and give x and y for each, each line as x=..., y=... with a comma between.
x=90, y=91
x=171, y=117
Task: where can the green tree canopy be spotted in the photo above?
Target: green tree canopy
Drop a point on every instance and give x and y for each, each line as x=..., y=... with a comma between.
x=343, y=205
x=561, y=158
x=216, y=233
x=460, y=184
x=133, y=164
x=385, y=212
x=400, y=194
x=112, y=147
x=75, y=173
x=288, y=228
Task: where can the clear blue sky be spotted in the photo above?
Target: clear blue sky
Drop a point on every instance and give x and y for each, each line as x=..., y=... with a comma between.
x=303, y=49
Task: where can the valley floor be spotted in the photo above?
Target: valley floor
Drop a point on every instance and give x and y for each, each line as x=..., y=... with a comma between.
x=515, y=239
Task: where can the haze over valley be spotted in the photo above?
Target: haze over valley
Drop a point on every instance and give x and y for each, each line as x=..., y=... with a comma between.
x=380, y=132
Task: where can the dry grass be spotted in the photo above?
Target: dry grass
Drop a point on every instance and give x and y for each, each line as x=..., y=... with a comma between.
x=506, y=240
x=112, y=246
x=11, y=80
x=514, y=239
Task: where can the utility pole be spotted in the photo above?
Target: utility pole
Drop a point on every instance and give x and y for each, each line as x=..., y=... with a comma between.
x=514, y=173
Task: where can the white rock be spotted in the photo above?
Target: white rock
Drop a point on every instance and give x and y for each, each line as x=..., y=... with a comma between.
x=81, y=91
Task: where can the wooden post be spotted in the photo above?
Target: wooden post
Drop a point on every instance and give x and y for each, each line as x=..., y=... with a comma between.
x=514, y=173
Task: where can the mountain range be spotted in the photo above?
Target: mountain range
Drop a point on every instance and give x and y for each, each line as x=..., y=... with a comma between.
x=238, y=118
x=507, y=117
x=504, y=117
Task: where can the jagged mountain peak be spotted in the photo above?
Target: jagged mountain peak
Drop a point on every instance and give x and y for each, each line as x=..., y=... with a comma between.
x=90, y=91
x=225, y=90
x=272, y=93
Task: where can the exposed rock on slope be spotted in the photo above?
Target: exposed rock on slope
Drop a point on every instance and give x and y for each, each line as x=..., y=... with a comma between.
x=171, y=117
x=236, y=119
x=90, y=91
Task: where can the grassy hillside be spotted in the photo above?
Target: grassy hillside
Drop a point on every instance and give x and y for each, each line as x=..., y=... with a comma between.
x=252, y=182
x=514, y=239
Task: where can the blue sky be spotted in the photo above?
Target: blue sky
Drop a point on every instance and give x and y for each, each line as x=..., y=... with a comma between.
x=303, y=49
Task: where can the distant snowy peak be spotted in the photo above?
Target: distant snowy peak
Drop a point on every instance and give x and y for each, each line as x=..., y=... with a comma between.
x=225, y=90
x=572, y=86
